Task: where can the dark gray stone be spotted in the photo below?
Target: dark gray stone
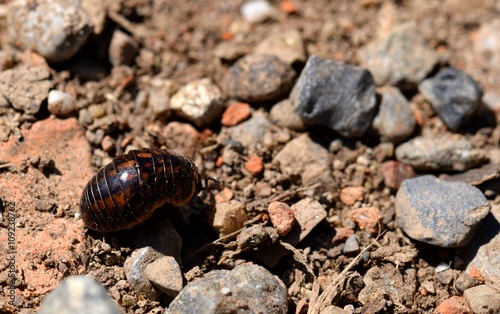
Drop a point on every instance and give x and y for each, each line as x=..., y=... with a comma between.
x=394, y=121
x=251, y=132
x=81, y=295
x=447, y=152
x=454, y=95
x=55, y=29
x=351, y=245
x=259, y=77
x=401, y=58
x=440, y=212
x=335, y=95
x=245, y=289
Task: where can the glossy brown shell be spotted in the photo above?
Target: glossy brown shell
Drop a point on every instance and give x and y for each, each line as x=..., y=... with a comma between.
x=125, y=192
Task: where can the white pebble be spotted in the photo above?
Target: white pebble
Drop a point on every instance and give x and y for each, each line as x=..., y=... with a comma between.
x=256, y=11
x=60, y=103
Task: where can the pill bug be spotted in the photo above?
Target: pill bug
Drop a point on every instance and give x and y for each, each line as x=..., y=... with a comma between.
x=127, y=191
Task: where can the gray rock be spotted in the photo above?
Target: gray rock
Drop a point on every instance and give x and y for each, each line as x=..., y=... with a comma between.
x=26, y=87
x=389, y=281
x=81, y=295
x=335, y=95
x=283, y=115
x=401, y=58
x=160, y=234
x=55, y=29
x=483, y=253
x=288, y=46
x=245, y=289
x=135, y=266
x=483, y=299
x=122, y=49
x=312, y=164
x=454, y=95
x=351, y=245
x=259, y=77
x=440, y=212
x=199, y=101
x=447, y=152
x=250, y=132
x=394, y=121
x=165, y=274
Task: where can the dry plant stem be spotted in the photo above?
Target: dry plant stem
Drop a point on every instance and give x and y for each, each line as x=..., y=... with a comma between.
x=286, y=194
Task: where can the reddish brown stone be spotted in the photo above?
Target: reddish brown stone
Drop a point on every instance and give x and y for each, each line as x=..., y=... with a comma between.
x=236, y=113
x=453, y=305
x=224, y=196
x=395, y=172
x=349, y=195
x=282, y=217
x=254, y=165
x=368, y=219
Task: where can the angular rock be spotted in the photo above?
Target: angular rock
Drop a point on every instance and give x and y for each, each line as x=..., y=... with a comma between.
x=335, y=95
x=313, y=164
x=454, y=95
x=135, y=266
x=165, y=274
x=251, y=132
x=369, y=219
x=281, y=216
x=258, y=78
x=387, y=280
x=159, y=97
x=351, y=194
x=401, y=58
x=122, y=49
x=228, y=217
x=55, y=29
x=246, y=288
x=438, y=212
x=394, y=121
x=199, y=101
x=483, y=299
x=351, y=245
x=395, y=172
x=236, y=113
x=254, y=165
x=79, y=294
x=25, y=87
x=288, y=46
x=455, y=304
x=447, y=152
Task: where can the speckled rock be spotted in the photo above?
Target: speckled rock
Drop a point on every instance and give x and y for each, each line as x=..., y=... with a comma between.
x=394, y=121
x=258, y=77
x=335, y=95
x=386, y=280
x=81, y=295
x=483, y=299
x=401, y=58
x=26, y=87
x=199, y=101
x=447, y=152
x=55, y=29
x=454, y=95
x=165, y=274
x=439, y=212
x=245, y=289
x=282, y=217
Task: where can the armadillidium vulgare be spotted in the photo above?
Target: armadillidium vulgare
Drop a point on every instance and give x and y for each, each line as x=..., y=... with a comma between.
x=126, y=192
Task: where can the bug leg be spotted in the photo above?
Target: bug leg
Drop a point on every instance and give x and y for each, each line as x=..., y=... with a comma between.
x=213, y=179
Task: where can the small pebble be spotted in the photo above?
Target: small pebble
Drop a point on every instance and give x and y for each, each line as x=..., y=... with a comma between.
x=254, y=165
x=251, y=132
x=256, y=11
x=247, y=286
x=97, y=111
x=287, y=45
x=122, y=49
x=447, y=152
x=54, y=29
x=428, y=287
x=199, y=101
x=394, y=121
x=228, y=217
x=439, y=212
x=60, y=103
x=108, y=143
x=351, y=245
x=236, y=113
x=483, y=299
x=253, y=237
x=351, y=194
x=134, y=268
x=401, y=58
x=453, y=305
x=258, y=78
x=165, y=273
x=335, y=95
x=283, y=115
x=81, y=295
x=368, y=219
x=159, y=97
x=454, y=95
x=341, y=235
x=224, y=196
x=281, y=216
x=395, y=172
